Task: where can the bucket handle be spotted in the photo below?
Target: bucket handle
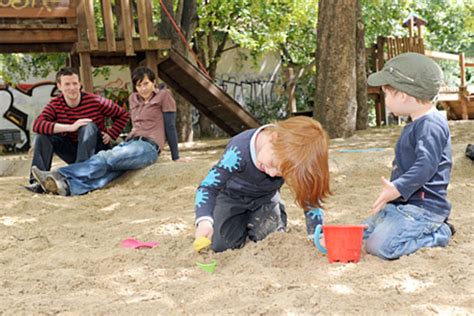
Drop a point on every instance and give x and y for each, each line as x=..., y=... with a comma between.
x=317, y=237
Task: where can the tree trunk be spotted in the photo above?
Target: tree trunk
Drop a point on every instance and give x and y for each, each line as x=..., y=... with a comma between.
x=291, y=78
x=210, y=57
x=335, y=96
x=186, y=17
x=362, y=121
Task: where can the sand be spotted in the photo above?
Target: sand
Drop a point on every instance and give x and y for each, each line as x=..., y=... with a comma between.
x=62, y=255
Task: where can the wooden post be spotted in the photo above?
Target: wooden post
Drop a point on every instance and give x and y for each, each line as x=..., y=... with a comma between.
x=142, y=24
x=462, y=67
x=411, y=25
x=152, y=61
x=149, y=18
x=109, y=25
x=86, y=72
x=127, y=27
x=463, y=93
x=91, y=29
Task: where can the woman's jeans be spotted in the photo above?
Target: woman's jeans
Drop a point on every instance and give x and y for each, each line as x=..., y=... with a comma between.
x=108, y=165
x=399, y=230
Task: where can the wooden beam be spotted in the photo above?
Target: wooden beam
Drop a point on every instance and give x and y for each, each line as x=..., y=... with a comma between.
x=440, y=55
x=86, y=72
x=90, y=21
x=152, y=61
x=142, y=23
x=109, y=25
x=121, y=46
x=37, y=26
x=114, y=60
x=36, y=13
x=38, y=36
x=36, y=48
x=127, y=27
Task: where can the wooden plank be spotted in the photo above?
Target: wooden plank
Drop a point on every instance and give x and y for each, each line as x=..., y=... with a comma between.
x=38, y=36
x=440, y=55
x=90, y=21
x=109, y=25
x=152, y=45
x=82, y=24
x=127, y=27
x=36, y=13
x=462, y=67
x=212, y=101
x=36, y=48
x=149, y=18
x=37, y=26
x=86, y=72
x=142, y=23
x=73, y=19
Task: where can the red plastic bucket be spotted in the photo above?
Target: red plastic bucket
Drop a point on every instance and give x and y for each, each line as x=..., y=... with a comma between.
x=343, y=242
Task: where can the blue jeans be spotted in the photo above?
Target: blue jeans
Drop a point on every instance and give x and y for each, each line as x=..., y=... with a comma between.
x=89, y=142
x=107, y=165
x=399, y=230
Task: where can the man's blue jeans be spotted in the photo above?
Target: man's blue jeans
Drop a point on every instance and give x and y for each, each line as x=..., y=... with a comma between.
x=89, y=142
x=107, y=165
x=399, y=230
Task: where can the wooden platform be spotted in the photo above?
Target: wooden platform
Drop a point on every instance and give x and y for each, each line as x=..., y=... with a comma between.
x=206, y=96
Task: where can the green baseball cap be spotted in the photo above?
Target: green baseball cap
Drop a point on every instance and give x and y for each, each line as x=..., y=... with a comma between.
x=412, y=73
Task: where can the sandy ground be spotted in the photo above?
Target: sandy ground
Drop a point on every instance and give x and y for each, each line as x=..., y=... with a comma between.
x=62, y=255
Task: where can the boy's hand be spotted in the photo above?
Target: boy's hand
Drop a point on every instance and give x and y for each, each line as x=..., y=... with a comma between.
x=204, y=229
x=389, y=193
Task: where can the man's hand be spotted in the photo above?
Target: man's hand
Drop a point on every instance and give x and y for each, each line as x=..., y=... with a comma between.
x=204, y=229
x=106, y=139
x=389, y=193
x=79, y=123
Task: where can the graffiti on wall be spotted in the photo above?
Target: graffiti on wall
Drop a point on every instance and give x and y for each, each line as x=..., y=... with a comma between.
x=49, y=5
x=249, y=90
x=21, y=104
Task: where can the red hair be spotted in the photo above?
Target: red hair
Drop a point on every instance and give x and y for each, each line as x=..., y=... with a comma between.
x=301, y=149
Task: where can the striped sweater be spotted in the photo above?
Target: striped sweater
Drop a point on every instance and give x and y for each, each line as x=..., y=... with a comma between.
x=91, y=106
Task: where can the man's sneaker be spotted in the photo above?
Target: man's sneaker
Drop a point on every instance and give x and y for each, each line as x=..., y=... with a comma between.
x=40, y=176
x=57, y=184
x=51, y=182
x=451, y=227
x=34, y=187
x=313, y=218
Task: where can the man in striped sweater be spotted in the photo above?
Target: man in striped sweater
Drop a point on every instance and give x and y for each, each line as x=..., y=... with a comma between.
x=72, y=125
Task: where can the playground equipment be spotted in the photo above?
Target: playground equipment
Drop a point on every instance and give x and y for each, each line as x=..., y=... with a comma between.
x=457, y=101
x=73, y=26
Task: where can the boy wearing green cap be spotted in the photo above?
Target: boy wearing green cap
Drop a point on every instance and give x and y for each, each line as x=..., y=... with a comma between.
x=412, y=210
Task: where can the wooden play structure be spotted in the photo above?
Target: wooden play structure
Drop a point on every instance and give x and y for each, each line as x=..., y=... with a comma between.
x=129, y=38
x=457, y=101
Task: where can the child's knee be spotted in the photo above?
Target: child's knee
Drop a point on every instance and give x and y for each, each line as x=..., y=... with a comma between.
x=381, y=246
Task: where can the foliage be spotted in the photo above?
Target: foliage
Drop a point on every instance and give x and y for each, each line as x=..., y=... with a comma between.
x=268, y=113
x=449, y=29
x=18, y=67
